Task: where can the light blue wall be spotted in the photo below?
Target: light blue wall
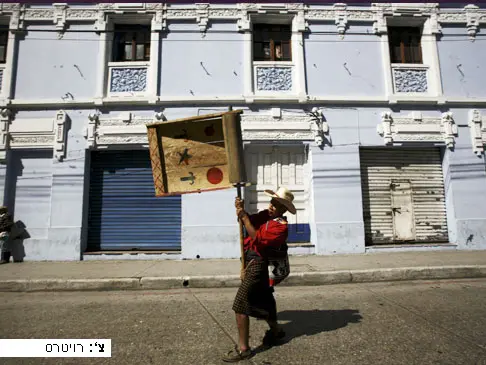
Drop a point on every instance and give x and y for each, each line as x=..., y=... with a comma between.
x=351, y=66
x=462, y=63
x=49, y=67
x=47, y=195
x=466, y=189
x=337, y=185
x=209, y=225
x=221, y=54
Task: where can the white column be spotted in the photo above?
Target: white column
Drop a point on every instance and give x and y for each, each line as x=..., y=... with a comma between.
x=153, y=71
x=431, y=57
x=248, y=87
x=385, y=56
x=7, y=89
x=102, y=27
x=298, y=27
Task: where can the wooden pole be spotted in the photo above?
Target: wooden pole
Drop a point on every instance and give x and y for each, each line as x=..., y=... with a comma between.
x=242, y=235
x=242, y=238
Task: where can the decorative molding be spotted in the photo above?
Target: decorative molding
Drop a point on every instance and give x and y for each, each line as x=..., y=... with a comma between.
x=16, y=23
x=6, y=8
x=35, y=141
x=5, y=117
x=121, y=130
x=41, y=133
x=410, y=80
x=247, y=10
x=267, y=127
x=341, y=18
x=202, y=17
x=222, y=13
x=319, y=127
x=60, y=133
x=202, y=13
x=133, y=137
x=477, y=125
x=320, y=14
x=273, y=78
x=60, y=17
x=275, y=135
x=472, y=17
x=416, y=128
x=90, y=132
x=284, y=119
x=128, y=79
x=449, y=129
x=384, y=11
x=159, y=20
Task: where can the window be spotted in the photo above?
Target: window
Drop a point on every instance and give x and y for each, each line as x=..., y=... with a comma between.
x=3, y=44
x=272, y=42
x=131, y=43
x=405, y=44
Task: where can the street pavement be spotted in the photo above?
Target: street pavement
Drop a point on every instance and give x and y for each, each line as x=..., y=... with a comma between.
x=423, y=322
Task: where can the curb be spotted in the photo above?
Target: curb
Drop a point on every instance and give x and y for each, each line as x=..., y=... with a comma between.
x=233, y=281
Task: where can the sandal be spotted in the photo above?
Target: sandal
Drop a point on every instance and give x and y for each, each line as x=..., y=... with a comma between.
x=237, y=355
x=271, y=338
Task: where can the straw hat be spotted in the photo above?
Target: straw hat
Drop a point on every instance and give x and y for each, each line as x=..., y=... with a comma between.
x=284, y=196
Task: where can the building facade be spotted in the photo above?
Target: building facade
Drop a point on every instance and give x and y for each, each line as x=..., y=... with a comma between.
x=373, y=115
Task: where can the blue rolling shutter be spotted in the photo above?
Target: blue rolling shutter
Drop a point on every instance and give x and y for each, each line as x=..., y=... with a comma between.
x=124, y=213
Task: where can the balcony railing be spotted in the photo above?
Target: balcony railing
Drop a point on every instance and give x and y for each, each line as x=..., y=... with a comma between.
x=127, y=78
x=273, y=77
x=410, y=78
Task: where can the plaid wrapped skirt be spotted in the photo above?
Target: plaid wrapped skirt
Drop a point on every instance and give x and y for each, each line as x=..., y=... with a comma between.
x=255, y=296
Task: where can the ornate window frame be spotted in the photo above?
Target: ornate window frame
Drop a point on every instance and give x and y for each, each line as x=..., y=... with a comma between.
x=292, y=74
x=34, y=133
x=426, y=16
x=146, y=72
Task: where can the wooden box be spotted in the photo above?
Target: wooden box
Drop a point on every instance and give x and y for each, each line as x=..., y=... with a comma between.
x=197, y=154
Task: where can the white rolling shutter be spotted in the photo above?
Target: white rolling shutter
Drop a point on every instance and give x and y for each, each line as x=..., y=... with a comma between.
x=403, y=195
x=269, y=167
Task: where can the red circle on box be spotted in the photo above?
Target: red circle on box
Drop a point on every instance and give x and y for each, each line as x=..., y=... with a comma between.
x=215, y=175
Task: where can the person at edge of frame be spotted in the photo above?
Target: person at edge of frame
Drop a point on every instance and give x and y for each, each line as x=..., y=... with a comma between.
x=267, y=231
x=6, y=224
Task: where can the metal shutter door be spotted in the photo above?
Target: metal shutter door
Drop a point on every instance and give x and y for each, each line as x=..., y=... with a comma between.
x=269, y=167
x=124, y=213
x=388, y=176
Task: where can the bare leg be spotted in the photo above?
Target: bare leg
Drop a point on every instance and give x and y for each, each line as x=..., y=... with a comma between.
x=243, y=323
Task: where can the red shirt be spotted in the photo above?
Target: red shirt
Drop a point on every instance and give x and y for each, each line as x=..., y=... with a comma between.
x=269, y=233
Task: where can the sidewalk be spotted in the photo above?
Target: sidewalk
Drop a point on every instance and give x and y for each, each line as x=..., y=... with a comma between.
x=305, y=270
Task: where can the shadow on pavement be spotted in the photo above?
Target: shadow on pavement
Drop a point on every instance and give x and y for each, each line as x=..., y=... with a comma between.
x=311, y=322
